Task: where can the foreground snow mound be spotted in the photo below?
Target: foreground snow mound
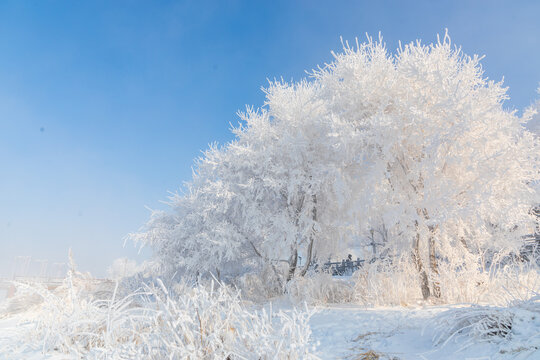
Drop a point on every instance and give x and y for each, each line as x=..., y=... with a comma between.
x=185, y=323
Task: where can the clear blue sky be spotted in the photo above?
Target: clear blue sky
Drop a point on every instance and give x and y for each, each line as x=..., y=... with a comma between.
x=104, y=104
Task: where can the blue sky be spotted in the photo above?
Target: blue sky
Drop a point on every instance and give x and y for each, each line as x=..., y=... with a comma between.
x=104, y=105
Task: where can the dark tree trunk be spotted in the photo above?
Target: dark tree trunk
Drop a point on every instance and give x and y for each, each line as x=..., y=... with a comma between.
x=293, y=261
x=373, y=243
x=433, y=265
x=424, y=284
x=309, y=256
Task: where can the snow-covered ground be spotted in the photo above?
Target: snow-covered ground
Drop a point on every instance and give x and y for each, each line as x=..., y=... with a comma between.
x=349, y=332
x=12, y=330
x=354, y=332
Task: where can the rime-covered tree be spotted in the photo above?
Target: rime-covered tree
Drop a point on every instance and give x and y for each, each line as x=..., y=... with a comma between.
x=445, y=168
x=416, y=145
x=262, y=200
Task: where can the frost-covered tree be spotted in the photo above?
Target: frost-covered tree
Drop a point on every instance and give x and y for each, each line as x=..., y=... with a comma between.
x=414, y=145
x=263, y=200
x=445, y=168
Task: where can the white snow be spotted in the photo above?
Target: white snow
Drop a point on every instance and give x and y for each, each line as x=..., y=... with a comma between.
x=12, y=330
x=348, y=332
x=398, y=333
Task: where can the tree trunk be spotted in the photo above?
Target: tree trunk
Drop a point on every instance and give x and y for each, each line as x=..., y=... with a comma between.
x=434, y=267
x=309, y=256
x=424, y=284
x=293, y=261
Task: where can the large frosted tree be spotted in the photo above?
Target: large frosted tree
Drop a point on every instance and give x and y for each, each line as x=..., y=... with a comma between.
x=263, y=200
x=447, y=170
x=416, y=143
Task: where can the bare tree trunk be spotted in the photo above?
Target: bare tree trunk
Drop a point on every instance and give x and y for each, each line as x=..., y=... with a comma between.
x=293, y=261
x=373, y=244
x=309, y=256
x=433, y=265
x=424, y=284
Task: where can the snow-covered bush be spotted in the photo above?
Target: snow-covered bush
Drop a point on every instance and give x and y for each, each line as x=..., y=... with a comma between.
x=81, y=317
x=381, y=283
x=513, y=328
x=260, y=286
x=213, y=323
x=477, y=323
x=497, y=285
x=201, y=322
x=512, y=324
x=320, y=289
x=23, y=300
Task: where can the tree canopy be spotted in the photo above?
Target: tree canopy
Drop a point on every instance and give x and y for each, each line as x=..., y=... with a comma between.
x=414, y=146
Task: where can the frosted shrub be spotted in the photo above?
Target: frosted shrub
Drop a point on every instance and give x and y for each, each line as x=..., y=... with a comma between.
x=259, y=287
x=320, y=289
x=497, y=285
x=73, y=321
x=476, y=323
x=380, y=283
x=214, y=324
x=191, y=323
x=513, y=325
x=23, y=300
x=513, y=329
x=521, y=284
x=398, y=284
